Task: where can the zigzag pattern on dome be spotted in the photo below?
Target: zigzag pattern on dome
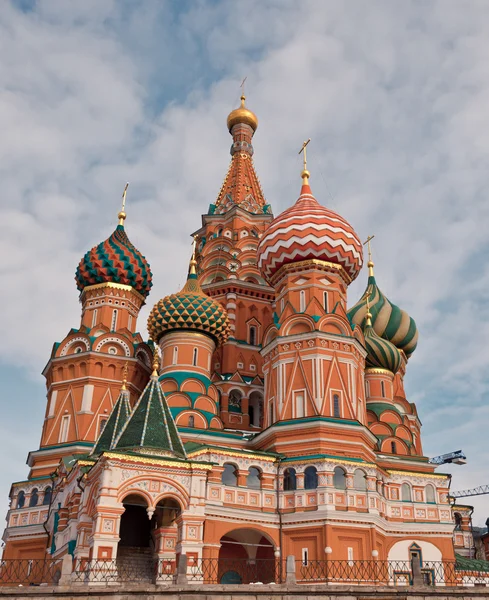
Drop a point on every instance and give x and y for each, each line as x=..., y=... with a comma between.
x=388, y=320
x=308, y=230
x=189, y=309
x=115, y=260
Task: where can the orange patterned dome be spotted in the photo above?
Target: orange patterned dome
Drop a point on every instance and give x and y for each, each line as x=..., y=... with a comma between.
x=308, y=230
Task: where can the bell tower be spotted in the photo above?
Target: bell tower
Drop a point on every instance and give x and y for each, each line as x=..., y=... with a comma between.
x=228, y=272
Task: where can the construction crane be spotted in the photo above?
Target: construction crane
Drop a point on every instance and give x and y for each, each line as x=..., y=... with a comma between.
x=457, y=458
x=478, y=491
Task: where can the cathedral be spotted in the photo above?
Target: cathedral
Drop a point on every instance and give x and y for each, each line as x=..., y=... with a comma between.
x=262, y=418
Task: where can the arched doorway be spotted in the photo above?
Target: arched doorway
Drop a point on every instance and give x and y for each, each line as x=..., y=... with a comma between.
x=135, y=526
x=247, y=556
x=165, y=535
x=136, y=548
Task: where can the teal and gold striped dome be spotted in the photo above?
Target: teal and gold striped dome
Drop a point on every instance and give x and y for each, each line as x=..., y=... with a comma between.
x=388, y=320
x=190, y=309
x=381, y=354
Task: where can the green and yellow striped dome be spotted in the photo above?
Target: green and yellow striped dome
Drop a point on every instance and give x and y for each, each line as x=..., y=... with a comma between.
x=381, y=354
x=190, y=309
x=389, y=321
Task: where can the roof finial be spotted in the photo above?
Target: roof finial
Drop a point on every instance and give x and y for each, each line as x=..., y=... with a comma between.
x=193, y=260
x=242, y=86
x=156, y=362
x=122, y=215
x=370, y=263
x=124, y=378
x=305, y=173
x=368, y=316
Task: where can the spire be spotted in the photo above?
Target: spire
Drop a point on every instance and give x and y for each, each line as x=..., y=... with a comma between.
x=116, y=421
x=305, y=173
x=370, y=263
x=156, y=363
x=241, y=186
x=151, y=425
x=122, y=214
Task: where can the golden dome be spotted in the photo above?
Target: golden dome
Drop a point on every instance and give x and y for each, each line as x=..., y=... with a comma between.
x=242, y=115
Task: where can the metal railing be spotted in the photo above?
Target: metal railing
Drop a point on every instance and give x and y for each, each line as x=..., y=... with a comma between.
x=34, y=571
x=235, y=571
x=388, y=573
x=126, y=570
x=212, y=571
x=367, y=572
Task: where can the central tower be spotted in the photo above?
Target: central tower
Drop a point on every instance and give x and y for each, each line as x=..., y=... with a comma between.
x=228, y=272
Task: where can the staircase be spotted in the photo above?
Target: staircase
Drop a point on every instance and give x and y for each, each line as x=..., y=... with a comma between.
x=135, y=564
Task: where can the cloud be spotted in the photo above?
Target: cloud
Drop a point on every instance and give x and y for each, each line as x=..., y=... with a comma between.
x=394, y=97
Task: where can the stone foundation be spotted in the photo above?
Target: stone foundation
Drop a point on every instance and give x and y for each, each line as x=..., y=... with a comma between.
x=241, y=592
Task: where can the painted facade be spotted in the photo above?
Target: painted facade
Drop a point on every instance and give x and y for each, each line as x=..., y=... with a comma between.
x=263, y=418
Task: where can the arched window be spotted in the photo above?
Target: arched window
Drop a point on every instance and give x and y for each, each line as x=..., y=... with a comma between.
x=34, y=498
x=252, y=335
x=302, y=306
x=229, y=475
x=114, y=320
x=339, y=478
x=325, y=301
x=310, y=478
x=175, y=355
x=219, y=232
x=290, y=480
x=271, y=414
x=194, y=357
x=393, y=447
x=234, y=403
x=359, y=480
x=20, y=500
x=254, y=478
x=336, y=406
x=430, y=493
x=458, y=520
x=406, y=492
x=48, y=492
x=94, y=317
x=191, y=421
x=382, y=387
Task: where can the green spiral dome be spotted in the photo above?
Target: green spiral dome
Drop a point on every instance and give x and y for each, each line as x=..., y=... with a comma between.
x=388, y=320
x=381, y=354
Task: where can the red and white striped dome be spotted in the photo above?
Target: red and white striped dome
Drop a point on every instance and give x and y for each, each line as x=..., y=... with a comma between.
x=308, y=230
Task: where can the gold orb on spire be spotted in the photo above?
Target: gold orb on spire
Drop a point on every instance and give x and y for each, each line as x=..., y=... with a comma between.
x=242, y=115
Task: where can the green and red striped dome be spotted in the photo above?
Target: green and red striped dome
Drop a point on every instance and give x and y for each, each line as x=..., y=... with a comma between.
x=115, y=260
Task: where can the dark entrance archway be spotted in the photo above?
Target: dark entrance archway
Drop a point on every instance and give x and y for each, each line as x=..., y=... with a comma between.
x=135, y=529
x=247, y=556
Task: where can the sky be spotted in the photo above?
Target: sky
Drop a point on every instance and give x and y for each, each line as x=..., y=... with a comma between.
x=395, y=99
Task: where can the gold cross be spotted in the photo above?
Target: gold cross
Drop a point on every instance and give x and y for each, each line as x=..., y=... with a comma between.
x=242, y=86
x=122, y=214
x=124, y=194
x=194, y=245
x=304, y=151
x=369, y=248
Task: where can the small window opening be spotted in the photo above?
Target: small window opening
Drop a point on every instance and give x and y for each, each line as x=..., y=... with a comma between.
x=382, y=387
x=191, y=421
x=336, y=406
x=194, y=357
x=114, y=320
x=302, y=307
x=175, y=355
x=252, y=335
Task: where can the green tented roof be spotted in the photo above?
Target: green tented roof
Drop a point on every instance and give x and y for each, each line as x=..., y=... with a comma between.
x=471, y=564
x=116, y=421
x=151, y=424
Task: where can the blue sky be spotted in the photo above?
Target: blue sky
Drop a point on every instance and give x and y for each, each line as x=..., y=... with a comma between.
x=394, y=96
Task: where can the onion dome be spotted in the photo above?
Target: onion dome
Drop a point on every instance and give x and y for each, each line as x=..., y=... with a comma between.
x=381, y=354
x=388, y=320
x=242, y=115
x=115, y=260
x=306, y=231
x=190, y=309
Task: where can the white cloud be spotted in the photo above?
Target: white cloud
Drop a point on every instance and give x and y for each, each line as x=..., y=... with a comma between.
x=394, y=97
